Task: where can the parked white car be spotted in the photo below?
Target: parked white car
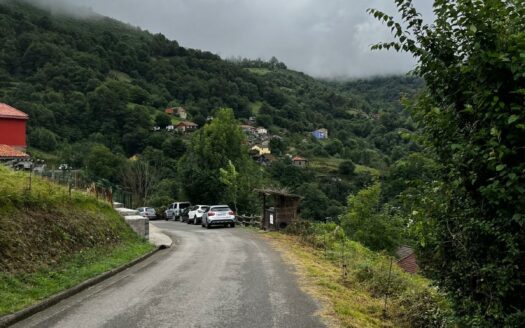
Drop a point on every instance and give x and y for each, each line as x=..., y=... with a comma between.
x=175, y=209
x=196, y=212
x=218, y=215
x=147, y=212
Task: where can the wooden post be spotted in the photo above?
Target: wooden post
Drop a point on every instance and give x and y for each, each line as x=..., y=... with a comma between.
x=263, y=221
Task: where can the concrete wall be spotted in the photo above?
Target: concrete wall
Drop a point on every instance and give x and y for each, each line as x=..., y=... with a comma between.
x=138, y=223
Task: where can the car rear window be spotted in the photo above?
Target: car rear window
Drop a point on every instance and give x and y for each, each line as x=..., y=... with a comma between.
x=221, y=209
x=184, y=205
x=205, y=208
x=150, y=210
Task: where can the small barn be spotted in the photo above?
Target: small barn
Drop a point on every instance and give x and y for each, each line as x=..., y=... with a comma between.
x=12, y=127
x=406, y=259
x=279, y=208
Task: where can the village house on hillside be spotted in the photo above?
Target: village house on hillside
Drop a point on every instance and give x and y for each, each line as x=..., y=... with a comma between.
x=320, y=134
x=261, y=149
x=261, y=130
x=13, y=127
x=12, y=134
x=247, y=128
x=186, y=126
x=299, y=161
x=181, y=112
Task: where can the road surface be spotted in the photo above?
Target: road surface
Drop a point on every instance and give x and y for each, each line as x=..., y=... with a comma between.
x=220, y=277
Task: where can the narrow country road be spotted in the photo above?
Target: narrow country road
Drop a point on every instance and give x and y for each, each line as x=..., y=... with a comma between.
x=220, y=277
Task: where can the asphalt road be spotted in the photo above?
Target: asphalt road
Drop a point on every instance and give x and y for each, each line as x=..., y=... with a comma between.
x=221, y=277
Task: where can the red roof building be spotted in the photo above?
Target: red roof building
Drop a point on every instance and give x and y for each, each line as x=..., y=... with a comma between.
x=407, y=259
x=9, y=153
x=299, y=161
x=12, y=126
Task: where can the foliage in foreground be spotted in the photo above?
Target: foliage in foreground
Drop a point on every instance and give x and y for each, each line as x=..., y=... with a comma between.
x=412, y=300
x=472, y=117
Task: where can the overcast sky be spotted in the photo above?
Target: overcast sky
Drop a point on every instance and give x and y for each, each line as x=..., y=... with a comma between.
x=324, y=38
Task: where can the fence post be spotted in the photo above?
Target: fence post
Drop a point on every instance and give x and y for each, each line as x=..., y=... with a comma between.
x=387, y=287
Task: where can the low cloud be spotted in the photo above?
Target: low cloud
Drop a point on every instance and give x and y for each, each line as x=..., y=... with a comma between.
x=322, y=38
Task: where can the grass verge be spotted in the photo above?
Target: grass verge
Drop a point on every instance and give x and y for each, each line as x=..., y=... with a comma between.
x=358, y=299
x=18, y=291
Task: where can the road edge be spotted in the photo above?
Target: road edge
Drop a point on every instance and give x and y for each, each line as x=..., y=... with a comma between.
x=10, y=319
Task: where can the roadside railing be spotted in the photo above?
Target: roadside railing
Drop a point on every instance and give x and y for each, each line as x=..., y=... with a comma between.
x=249, y=221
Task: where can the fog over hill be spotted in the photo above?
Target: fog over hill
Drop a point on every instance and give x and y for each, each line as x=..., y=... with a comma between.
x=321, y=38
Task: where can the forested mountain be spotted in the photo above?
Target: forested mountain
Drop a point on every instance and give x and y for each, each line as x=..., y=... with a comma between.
x=89, y=77
x=95, y=87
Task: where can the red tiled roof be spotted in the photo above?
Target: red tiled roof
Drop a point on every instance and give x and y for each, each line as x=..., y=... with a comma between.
x=407, y=259
x=169, y=110
x=10, y=112
x=9, y=152
x=298, y=158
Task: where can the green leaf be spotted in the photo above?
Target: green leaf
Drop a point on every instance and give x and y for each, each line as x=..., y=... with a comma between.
x=473, y=28
x=500, y=167
x=512, y=119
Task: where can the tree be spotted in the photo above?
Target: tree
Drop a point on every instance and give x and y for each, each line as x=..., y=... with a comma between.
x=471, y=116
x=369, y=224
x=101, y=163
x=162, y=120
x=43, y=139
x=213, y=147
x=140, y=178
x=230, y=177
x=347, y=168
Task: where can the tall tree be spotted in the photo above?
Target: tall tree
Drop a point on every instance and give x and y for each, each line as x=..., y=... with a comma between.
x=213, y=147
x=472, y=116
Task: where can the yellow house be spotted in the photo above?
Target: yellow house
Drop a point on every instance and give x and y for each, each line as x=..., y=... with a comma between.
x=262, y=150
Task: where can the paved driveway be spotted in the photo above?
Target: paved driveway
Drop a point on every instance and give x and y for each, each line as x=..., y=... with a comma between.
x=220, y=277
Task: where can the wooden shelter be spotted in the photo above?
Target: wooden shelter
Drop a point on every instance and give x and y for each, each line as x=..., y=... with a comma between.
x=279, y=208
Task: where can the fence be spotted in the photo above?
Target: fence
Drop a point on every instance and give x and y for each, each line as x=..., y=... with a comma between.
x=74, y=180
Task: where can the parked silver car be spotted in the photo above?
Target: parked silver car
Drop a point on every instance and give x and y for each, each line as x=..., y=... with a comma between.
x=196, y=212
x=175, y=209
x=218, y=215
x=147, y=212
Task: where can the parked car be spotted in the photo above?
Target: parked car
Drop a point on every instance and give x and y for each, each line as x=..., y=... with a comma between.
x=184, y=214
x=218, y=215
x=147, y=212
x=196, y=212
x=175, y=209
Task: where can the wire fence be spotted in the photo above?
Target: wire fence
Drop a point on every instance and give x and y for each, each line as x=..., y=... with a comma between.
x=75, y=181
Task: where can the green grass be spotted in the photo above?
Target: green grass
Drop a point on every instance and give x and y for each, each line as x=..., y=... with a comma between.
x=175, y=120
x=258, y=71
x=51, y=240
x=330, y=165
x=255, y=107
x=357, y=300
x=18, y=291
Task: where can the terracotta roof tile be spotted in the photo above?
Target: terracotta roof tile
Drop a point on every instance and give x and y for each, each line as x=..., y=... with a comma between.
x=11, y=112
x=298, y=158
x=9, y=152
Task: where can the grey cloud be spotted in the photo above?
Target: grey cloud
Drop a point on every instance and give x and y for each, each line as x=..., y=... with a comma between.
x=324, y=38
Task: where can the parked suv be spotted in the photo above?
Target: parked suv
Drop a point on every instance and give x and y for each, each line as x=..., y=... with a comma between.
x=175, y=209
x=196, y=212
x=218, y=215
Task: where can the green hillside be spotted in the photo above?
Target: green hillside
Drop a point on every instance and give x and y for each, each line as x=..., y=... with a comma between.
x=94, y=89
x=50, y=241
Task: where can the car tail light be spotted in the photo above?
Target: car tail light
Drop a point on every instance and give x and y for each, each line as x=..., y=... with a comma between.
x=211, y=213
x=231, y=212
